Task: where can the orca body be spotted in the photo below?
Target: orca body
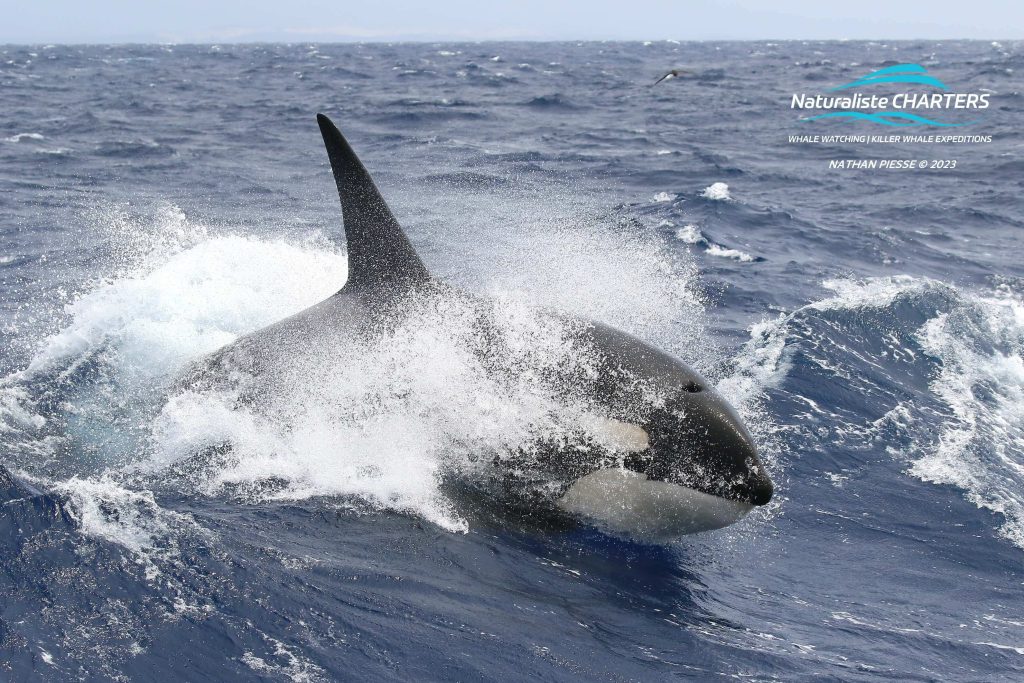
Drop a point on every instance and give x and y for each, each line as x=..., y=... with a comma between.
x=675, y=459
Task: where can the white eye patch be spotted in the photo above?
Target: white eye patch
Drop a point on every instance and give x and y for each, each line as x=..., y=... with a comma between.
x=619, y=436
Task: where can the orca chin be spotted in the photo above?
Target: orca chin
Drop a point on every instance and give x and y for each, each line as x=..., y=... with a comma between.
x=627, y=503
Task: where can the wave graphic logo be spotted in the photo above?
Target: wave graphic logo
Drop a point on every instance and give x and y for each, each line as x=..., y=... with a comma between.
x=886, y=118
x=900, y=73
x=910, y=74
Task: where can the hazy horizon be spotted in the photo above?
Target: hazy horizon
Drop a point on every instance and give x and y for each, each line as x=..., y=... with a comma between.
x=271, y=21
x=128, y=43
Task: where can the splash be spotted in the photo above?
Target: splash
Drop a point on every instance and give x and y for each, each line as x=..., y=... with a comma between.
x=369, y=428
x=86, y=397
x=384, y=423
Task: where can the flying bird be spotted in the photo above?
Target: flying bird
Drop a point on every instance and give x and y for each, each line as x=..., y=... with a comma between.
x=674, y=73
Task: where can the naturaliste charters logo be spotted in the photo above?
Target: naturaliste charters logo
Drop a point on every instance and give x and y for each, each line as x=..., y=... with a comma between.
x=895, y=109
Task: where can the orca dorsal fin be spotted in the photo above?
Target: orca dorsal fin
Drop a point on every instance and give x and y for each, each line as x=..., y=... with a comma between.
x=379, y=254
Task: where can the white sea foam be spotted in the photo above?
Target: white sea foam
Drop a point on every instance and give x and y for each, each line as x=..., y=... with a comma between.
x=663, y=197
x=725, y=252
x=761, y=364
x=138, y=522
x=24, y=136
x=980, y=447
x=690, y=234
x=998, y=646
x=716, y=191
x=285, y=664
x=872, y=292
x=175, y=293
x=15, y=410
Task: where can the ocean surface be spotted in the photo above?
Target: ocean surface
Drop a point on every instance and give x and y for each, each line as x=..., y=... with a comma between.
x=156, y=202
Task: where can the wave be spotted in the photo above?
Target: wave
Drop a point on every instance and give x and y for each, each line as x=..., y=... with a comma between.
x=554, y=101
x=690, y=234
x=133, y=149
x=24, y=136
x=725, y=252
x=436, y=114
x=980, y=445
x=946, y=402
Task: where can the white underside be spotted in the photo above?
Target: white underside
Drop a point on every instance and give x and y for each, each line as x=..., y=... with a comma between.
x=628, y=503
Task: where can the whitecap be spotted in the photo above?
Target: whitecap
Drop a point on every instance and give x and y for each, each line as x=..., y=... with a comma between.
x=690, y=234
x=966, y=429
x=24, y=136
x=716, y=191
x=725, y=252
x=980, y=446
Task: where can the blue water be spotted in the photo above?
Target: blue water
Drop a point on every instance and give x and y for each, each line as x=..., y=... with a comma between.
x=156, y=202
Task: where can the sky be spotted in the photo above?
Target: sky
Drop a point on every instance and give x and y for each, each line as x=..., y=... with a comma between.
x=225, y=21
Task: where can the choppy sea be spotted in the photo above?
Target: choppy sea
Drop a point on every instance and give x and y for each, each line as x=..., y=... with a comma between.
x=157, y=202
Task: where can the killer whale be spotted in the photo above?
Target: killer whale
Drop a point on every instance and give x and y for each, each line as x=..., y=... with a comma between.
x=676, y=458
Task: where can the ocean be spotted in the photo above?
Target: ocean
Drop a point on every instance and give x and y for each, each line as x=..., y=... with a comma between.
x=159, y=201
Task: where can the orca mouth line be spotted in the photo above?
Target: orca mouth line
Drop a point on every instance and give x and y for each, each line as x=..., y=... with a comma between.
x=755, y=488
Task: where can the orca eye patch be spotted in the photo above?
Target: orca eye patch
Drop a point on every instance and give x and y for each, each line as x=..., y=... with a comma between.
x=620, y=436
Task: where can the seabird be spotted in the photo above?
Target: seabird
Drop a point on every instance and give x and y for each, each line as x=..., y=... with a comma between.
x=674, y=73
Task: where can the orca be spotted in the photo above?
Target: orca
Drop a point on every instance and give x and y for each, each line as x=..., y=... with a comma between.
x=676, y=458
